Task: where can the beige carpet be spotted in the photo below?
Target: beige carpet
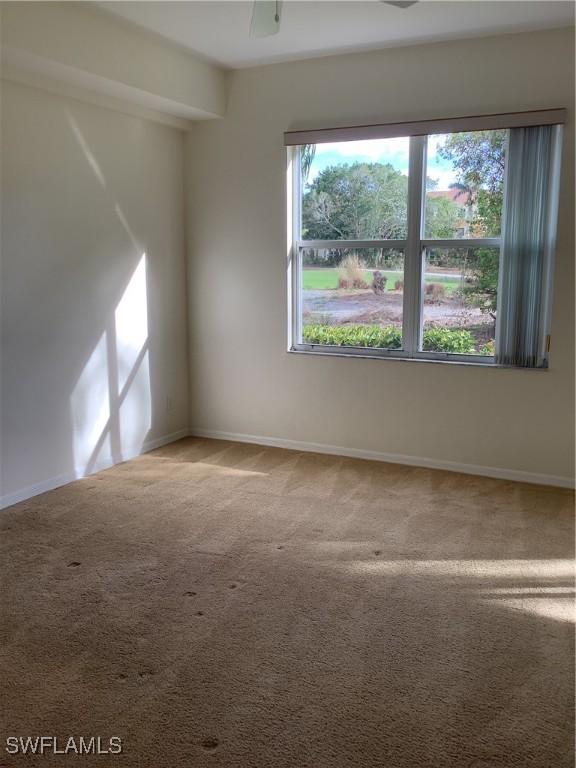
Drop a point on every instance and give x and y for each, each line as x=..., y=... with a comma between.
x=219, y=604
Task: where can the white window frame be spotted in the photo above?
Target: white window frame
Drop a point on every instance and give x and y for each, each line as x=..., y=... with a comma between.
x=414, y=248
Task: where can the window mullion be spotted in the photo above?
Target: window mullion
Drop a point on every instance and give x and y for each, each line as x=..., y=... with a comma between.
x=412, y=307
x=295, y=276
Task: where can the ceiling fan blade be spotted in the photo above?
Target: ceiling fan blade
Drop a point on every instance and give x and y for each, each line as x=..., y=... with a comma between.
x=400, y=3
x=266, y=15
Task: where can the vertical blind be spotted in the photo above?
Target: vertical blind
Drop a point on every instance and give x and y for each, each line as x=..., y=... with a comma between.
x=528, y=239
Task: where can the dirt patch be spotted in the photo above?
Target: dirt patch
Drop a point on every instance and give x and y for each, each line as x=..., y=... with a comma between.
x=339, y=307
x=366, y=308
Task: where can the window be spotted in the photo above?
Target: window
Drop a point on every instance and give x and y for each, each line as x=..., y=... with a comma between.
x=411, y=245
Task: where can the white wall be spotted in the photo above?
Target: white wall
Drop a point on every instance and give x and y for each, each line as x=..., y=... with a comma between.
x=93, y=332
x=243, y=380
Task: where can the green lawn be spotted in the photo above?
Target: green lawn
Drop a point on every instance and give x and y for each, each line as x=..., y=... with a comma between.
x=324, y=278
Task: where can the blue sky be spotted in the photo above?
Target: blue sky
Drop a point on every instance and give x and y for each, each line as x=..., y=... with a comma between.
x=393, y=151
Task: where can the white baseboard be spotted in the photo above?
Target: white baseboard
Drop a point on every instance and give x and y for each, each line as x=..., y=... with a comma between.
x=55, y=482
x=297, y=445
x=392, y=458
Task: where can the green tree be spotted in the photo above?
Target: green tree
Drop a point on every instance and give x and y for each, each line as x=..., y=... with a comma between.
x=358, y=201
x=482, y=290
x=479, y=160
x=307, y=153
x=368, y=201
x=442, y=215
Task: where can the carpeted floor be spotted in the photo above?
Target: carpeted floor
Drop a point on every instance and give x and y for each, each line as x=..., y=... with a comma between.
x=226, y=605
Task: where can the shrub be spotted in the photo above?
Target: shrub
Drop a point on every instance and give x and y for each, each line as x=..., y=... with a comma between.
x=352, y=273
x=488, y=348
x=446, y=340
x=435, y=339
x=353, y=336
x=434, y=292
x=345, y=284
x=378, y=282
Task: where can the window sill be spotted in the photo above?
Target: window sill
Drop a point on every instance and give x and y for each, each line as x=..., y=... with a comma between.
x=359, y=352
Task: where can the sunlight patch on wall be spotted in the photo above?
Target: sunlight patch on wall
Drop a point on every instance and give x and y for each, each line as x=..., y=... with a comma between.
x=112, y=403
x=91, y=405
x=86, y=149
x=131, y=323
x=136, y=406
x=124, y=221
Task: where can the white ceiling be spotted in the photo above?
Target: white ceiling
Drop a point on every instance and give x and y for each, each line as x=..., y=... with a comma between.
x=219, y=30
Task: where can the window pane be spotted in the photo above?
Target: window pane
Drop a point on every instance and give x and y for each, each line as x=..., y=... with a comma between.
x=355, y=190
x=464, y=184
x=352, y=297
x=460, y=291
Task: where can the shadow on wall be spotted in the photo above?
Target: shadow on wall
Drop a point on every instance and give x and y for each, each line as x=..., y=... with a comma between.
x=111, y=408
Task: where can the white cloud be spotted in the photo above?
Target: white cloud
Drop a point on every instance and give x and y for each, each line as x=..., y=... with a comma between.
x=444, y=178
x=375, y=149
